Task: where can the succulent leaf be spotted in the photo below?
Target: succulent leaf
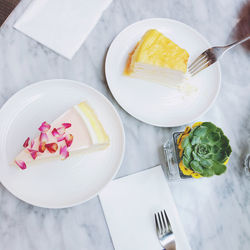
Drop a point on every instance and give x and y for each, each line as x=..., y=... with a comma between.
x=207, y=172
x=195, y=156
x=228, y=150
x=186, y=161
x=188, y=151
x=195, y=140
x=185, y=142
x=206, y=163
x=213, y=137
x=219, y=168
x=209, y=125
x=215, y=149
x=220, y=156
x=204, y=140
x=195, y=165
x=200, y=131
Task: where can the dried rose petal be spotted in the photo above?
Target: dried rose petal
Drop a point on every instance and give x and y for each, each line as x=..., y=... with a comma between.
x=44, y=127
x=52, y=147
x=61, y=130
x=33, y=153
x=21, y=164
x=26, y=143
x=60, y=138
x=55, y=132
x=32, y=143
x=42, y=147
x=66, y=125
x=64, y=152
x=68, y=140
x=43, y=137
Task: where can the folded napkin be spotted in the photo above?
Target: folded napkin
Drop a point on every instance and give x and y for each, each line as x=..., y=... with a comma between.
x=61, y=25
x=129, y=205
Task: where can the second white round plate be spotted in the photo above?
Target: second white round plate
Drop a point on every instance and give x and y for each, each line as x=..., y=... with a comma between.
x=151, y=102
x=57, y=183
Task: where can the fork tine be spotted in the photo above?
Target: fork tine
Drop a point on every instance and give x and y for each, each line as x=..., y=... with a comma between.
x=196, y=61
x=200, y=68
x=198, y=65
x=157, y=225
x=159, y=219
x=168, y=222
x=160, y=224
x=164, y=223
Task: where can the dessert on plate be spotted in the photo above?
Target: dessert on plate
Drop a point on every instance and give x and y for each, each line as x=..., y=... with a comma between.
x=204, y=150
x=158, y=59
x=78, y=130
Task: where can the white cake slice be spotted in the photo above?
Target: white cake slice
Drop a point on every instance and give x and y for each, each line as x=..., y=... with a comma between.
x=78, y=130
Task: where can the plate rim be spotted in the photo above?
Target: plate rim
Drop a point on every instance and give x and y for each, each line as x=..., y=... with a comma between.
x=123, y=141
x=163, y=125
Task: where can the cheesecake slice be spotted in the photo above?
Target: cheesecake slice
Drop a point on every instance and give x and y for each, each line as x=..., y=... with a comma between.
x=78, y=130
x=158, y=59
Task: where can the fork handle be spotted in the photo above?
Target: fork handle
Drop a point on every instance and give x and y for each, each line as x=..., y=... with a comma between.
x=230, y=46
x=220, y=50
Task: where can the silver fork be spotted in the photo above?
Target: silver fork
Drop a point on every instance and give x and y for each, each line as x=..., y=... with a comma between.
x=210, y=56
x=164, y=231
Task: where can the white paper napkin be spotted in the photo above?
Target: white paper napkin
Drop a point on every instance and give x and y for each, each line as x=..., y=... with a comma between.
x=61, y=25
x=129, y=205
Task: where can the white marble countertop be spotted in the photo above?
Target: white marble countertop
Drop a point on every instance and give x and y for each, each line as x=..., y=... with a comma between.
x=215, y=212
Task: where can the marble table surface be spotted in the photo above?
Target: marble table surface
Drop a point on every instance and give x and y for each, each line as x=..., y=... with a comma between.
x=215, y=212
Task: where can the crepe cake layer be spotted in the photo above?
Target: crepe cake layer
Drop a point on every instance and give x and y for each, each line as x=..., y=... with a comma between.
x=158, y=59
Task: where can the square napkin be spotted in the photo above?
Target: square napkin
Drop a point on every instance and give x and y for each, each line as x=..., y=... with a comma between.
x=61, y=25
x=129, y=204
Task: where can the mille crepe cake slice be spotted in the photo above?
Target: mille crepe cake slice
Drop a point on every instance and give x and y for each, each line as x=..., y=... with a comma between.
x=156, y=58
x=78, y=130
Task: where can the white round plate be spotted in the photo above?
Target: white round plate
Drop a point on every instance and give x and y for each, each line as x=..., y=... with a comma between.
x=57, y=183
x=151, y=102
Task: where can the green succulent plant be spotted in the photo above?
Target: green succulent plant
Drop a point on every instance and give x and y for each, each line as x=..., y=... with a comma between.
x=206, y=149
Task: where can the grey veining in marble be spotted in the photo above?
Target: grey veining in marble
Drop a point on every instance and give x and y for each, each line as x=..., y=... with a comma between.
x=215, y=212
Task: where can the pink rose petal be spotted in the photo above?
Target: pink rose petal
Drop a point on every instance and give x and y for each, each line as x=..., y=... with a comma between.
x=55, y=132
x=43, y=137
x=64, y=152
x=61, y=130
x=26, y=143
x=66, y=125
x=68, y=140
x=52, y=147
x=32, y=143
x=33, y=153
x=60, y=138
x=21, y=164
x=44, y=127
x=42, y=147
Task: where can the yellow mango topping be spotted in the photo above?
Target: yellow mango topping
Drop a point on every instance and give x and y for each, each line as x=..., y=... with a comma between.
x=156, y=49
